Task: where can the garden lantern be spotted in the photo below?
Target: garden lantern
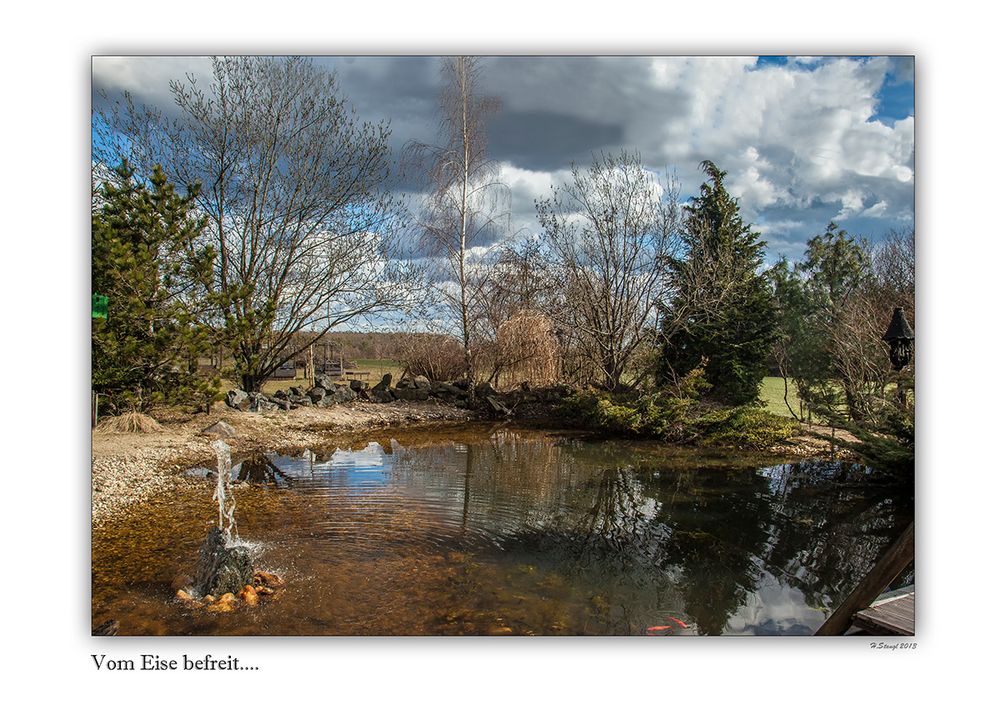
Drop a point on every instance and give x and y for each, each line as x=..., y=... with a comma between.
x=899, y=336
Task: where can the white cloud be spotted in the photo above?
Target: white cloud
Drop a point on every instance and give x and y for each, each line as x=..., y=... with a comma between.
x=876, y=211
x=800, y=141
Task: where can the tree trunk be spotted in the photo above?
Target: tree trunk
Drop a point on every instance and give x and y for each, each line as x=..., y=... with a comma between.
x=250, y=383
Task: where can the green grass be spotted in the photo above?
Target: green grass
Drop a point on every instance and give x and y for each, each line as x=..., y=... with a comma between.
x=378, y=367
x=772, y=391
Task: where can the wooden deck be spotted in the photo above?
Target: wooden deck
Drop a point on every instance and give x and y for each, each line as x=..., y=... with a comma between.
x=892, y=615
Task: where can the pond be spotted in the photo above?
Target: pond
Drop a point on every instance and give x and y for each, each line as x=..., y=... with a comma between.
x=497, y=530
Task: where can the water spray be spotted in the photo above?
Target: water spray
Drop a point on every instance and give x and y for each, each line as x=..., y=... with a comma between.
x=224, y=491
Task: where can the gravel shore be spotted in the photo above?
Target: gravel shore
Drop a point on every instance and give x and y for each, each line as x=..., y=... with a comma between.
x=128, y=468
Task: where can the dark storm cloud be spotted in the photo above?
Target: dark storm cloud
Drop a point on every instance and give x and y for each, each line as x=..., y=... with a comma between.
x=547, y=141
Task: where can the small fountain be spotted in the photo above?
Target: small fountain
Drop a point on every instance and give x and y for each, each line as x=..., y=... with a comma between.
x=223, y=564
x=224, y=569
x=224, y=490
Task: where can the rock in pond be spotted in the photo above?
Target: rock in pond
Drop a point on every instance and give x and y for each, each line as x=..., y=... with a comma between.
x=266, y=579
x=249, y=595
x=221, y=569
x=226, y=603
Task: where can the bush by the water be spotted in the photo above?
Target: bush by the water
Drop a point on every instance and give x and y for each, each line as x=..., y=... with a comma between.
x=746, y=426
x=653, y=416
x=678, y=419
x=890, y=446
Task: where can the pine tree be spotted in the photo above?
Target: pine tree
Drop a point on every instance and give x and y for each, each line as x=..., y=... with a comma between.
x=721, y=313
x=146, y=258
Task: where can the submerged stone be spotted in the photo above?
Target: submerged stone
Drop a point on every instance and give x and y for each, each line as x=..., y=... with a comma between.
x=249, y=595
x=221, y=569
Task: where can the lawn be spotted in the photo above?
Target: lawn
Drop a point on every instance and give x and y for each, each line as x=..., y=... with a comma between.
x=772, y=391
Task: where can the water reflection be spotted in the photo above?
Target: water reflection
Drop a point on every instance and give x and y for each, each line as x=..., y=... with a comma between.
x=478, y=530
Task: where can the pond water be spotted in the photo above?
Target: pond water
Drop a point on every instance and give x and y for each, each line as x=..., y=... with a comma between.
x=479, y=530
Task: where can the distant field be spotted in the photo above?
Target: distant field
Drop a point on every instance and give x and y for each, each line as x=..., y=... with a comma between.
x=773, y=392
x=380, y=367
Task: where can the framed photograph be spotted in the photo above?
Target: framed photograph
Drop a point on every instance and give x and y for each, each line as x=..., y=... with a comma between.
x=503, y=346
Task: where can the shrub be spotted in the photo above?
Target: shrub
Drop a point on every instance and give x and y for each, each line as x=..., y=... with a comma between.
x=436, y=357
x=130, y=422
x=652, y=416
x=747, y=426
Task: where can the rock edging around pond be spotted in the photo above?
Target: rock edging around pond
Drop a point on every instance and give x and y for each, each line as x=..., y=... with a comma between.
x=458, y=393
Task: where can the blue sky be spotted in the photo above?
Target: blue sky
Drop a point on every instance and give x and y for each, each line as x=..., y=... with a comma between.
x=805, y=140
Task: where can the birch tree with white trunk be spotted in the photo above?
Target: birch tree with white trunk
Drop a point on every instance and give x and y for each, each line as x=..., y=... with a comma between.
x=468, y=205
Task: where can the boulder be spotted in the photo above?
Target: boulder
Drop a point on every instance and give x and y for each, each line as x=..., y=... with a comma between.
x=220, y=429
x=382, y=396
x=496, y=405
x=183, y=596
x=238, y=399
x=445, y=390
x=462, y=384
x=421, y=382
x=316, y=394
x=281, y=403
x=412, y=394
x=221, y=569
x=384, y=384
x=326, y=383
x=358, y=386
x=343, y=394
x=280, y=394
x=405, y=383
x=259, y=402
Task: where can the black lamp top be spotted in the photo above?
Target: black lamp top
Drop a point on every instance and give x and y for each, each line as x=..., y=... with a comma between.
x=899, y=328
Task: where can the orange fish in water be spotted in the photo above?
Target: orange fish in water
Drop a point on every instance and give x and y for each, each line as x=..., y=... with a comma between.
x=661, y=630
x=665, y=629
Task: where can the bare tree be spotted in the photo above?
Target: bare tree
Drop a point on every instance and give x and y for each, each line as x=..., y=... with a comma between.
x=468, y=202
x=296, y=191
x=610, y=229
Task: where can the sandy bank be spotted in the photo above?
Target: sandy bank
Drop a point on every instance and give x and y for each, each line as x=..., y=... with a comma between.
x=130, y=467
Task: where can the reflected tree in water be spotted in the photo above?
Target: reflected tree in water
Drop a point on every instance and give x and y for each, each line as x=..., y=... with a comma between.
x=719, y=524
x=259, y=469
x=832, y=523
